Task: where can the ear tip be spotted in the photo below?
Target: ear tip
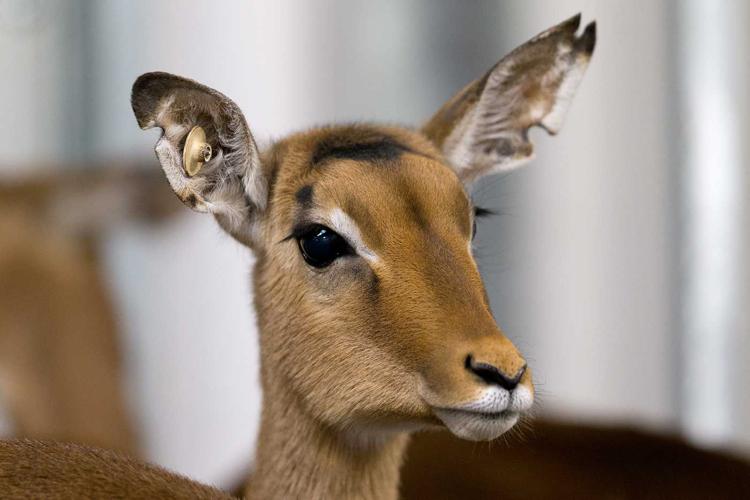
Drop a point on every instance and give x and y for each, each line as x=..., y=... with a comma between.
x=571, y=25
x=145, y=83
x=565, y=30
x=139, y=100
x=587, y=41
x=145, y=94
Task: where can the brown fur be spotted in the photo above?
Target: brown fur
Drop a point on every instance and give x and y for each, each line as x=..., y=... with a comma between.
x=42, y=469
x=59, y=358
x=379, y=343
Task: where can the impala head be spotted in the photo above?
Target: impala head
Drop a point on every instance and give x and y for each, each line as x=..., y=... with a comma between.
x=372, y=310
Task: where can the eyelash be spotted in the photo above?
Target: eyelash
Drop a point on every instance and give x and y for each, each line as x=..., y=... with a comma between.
x=479, y=212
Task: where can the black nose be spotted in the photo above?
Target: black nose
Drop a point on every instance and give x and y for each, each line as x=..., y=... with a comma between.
x=493, y=375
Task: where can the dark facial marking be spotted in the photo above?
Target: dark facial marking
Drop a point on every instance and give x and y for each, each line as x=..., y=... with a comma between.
x=383, y=148
x=304, y=196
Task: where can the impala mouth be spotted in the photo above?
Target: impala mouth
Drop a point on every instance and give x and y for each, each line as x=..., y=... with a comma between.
x=480, y=414
x=494, y=412
x=477, y=425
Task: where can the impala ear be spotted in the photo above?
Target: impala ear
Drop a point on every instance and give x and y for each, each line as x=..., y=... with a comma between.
x=484, y=128
x=206, y=149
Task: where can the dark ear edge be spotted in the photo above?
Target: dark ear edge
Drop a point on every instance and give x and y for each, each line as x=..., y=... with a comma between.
x=151, y=89
x=483, y=129
x=147, y=93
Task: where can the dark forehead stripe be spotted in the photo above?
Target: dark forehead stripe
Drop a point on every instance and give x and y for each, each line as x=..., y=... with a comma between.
x=371, y=149
x=304, y=195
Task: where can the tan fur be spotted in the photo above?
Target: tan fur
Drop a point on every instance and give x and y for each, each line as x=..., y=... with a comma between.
x=318, y=357
x=385, y=341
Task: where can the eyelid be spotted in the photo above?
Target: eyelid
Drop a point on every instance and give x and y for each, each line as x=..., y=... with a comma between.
x=304, y=227
x=338, y=222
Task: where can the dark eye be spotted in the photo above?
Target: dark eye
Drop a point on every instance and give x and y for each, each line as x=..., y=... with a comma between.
x=320, y=246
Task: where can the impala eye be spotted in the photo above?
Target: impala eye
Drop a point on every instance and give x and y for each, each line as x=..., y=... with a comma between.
x=320, y=246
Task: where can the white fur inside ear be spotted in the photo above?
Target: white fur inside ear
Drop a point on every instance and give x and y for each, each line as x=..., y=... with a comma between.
x=532, y=86
x=565, y=92
x=346, y=227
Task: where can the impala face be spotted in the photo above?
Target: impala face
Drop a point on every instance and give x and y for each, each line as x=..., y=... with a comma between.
x=371, y=230
x=373, y=315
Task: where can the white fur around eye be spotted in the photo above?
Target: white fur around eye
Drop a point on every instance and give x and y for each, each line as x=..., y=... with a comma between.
x=346, y=227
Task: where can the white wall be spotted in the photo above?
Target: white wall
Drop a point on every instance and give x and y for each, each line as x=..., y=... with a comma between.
x=714, y=229
x=42, y=85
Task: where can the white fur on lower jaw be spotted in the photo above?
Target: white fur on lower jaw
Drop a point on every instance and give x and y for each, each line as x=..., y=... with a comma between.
x=476, y=426
x=495, y=412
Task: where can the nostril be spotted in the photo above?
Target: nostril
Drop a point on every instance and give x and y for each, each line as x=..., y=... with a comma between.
x=492, y=374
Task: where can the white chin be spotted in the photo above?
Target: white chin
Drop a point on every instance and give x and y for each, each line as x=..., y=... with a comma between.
x=476, y=426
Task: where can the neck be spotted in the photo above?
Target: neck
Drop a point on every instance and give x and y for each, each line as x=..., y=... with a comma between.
x=298, y=457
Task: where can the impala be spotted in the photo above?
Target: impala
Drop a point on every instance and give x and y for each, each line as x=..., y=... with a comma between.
x=373, y=319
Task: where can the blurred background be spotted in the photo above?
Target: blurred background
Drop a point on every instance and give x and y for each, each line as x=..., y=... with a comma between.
x=617, y=263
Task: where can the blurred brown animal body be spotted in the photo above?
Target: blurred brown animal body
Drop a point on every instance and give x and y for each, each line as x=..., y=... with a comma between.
x=559, y=461
x=373, y=318
x=54, y=312
x=59, y=360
